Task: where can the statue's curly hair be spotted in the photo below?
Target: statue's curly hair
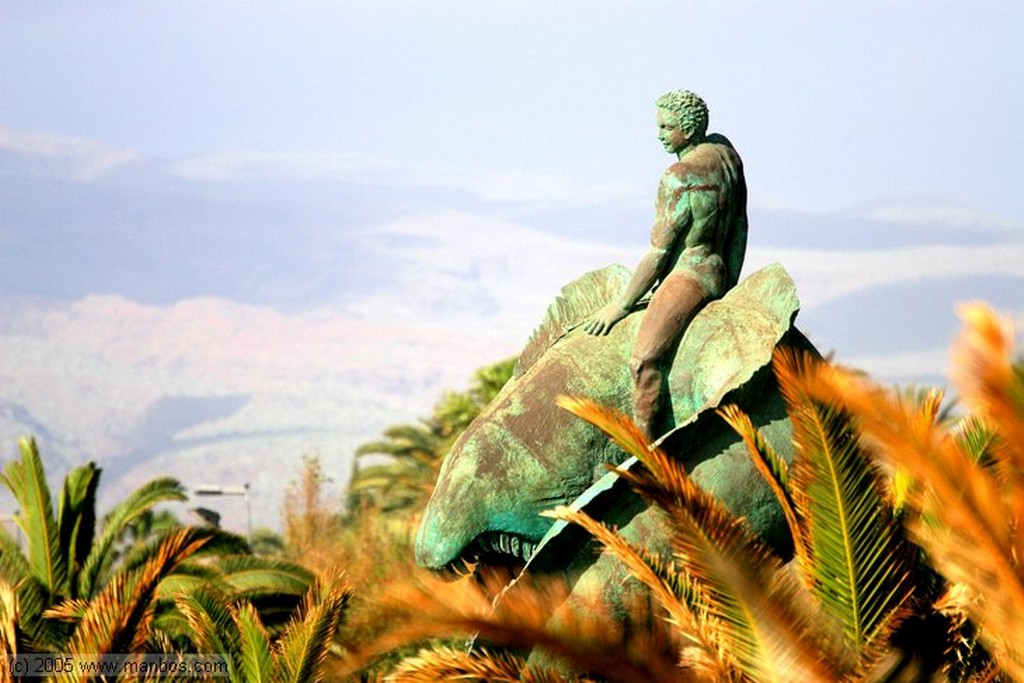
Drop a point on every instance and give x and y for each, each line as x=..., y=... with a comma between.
x=689, y=107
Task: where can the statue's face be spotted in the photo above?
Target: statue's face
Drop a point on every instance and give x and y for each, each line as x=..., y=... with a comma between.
x=673, y=138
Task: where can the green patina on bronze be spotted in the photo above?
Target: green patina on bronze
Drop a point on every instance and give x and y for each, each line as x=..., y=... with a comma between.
x=698, y=243
x=524, y=455
x=667, y=343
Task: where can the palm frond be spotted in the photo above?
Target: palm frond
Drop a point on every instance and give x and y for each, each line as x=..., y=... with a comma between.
x=966, y=516
x=118, y=618
x=26, y=480
x=253, y=575
x=8, y=628
x=860, y=565
x=256, y=660
x=33, y=599
x=613, y=423
x=69, y=610
x=160, y=490
x=685, y=603
x=447, y=664
x=76, y=518
x=525, y=617
x=13, y=564
x=975, y=438
x=212, y=625
x=775, y=471
x=188, y=576
x=766, y=632
x=305, y=643
x=764, y=625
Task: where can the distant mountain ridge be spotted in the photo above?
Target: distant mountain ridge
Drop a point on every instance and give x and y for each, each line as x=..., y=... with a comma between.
x=218, y=329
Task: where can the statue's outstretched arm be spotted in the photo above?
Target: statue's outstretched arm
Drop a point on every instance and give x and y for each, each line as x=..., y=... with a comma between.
x=646, y=274
x=672, y=220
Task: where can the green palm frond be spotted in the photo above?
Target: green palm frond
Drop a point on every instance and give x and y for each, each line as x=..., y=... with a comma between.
x=118, y=618
x=305, y=643
x=13, y=564
x=774, y=470
x=33, y=599
x=860, y=565
x=188, y=576
x=212, y=626
x=966, y=516
x=163, y=489
x=256, y=659
x=415, y=441
x=26, y=480
x=76, y=518
x=976, y=439
x=253, y=575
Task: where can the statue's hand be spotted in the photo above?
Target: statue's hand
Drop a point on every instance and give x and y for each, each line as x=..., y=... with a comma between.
x=605, y=319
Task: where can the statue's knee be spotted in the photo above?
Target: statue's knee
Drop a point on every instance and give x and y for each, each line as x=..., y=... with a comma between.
x=643, y=369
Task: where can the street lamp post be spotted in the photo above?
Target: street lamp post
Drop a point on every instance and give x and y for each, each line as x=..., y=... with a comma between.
x=243, y=490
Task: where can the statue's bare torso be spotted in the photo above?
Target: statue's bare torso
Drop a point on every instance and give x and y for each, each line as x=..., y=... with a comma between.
x=697, y=245
x=697, y=212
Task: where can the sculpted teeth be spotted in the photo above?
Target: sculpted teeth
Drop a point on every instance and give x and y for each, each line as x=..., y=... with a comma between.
x=504, y=543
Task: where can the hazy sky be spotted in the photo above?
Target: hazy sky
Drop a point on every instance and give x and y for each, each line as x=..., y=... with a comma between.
x=832, y=104
x=416, y=180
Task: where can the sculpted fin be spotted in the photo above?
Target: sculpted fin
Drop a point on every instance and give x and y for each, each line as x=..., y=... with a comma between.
x=577, y=302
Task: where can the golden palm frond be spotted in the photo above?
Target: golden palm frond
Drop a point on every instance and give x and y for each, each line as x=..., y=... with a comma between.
x=774, y=470
x=967, y=516
x=679, y=595
x=8, y=627
x=68, y=610
x=118, y=618
x=446, y=664
x=617, y=426
x=986, y=378
x=529, y=615
x=762, y=624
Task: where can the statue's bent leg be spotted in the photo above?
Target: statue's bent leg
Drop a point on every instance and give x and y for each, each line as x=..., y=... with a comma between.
x=674, y=304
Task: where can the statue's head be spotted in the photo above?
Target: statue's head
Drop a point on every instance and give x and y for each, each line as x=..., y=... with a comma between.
x=688, y=109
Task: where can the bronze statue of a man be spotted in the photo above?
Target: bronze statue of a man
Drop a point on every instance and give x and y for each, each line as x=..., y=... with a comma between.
x=697, y=246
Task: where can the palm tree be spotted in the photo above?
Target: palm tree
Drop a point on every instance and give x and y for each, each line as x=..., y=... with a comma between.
x=252, y=653
x=66, y=559
x=70, y=569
